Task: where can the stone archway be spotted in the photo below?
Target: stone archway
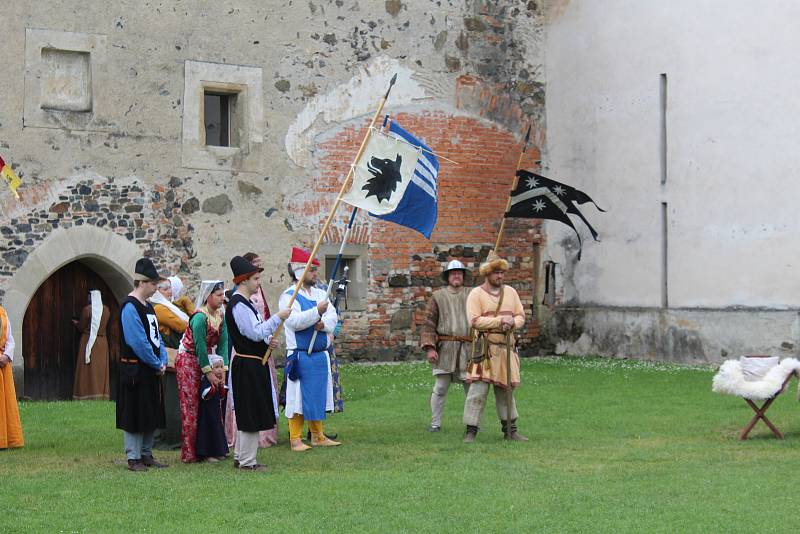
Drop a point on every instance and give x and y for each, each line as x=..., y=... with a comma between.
x=108, y=254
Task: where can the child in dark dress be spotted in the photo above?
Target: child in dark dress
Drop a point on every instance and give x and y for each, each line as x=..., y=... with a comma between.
x=211, y=441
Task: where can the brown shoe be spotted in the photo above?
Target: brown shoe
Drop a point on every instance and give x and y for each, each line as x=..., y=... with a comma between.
x=512, y=434
x=149, y=461
x=136, y=465
x=324, y=442
x=469, y=435
x=298, y=445
x=255, y=467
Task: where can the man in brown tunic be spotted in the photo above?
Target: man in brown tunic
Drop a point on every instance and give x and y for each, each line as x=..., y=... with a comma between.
x=493, y=310
x=445, y=338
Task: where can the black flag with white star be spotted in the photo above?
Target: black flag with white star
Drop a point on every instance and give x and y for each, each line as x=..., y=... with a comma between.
x=540, y=203
x=568, y=195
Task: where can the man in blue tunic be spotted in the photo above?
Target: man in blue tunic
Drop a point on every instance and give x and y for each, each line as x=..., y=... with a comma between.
x=143, y=359
x=310, y=395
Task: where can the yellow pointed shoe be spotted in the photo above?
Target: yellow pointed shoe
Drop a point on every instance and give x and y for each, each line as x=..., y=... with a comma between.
x=325, y=442
x=299, y=446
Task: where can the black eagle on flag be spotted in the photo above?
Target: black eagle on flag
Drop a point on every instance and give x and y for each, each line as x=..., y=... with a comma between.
x=538, y=197
x=385, y=175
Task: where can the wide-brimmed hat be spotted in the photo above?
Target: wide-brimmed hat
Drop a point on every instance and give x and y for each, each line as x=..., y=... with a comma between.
x=454, y=265
x=243, y=269
x=145, y=271
x=493, y=263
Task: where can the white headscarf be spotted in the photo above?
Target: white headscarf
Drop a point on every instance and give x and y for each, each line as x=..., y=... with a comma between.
x=177, y=286
x=97, y=313
x=158, y=298
x=206, y=288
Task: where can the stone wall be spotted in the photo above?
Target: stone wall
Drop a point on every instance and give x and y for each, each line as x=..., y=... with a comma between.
x=104, y=135
x=151, y=217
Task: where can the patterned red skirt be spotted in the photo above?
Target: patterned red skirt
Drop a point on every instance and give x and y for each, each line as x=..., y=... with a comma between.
x=188, y=375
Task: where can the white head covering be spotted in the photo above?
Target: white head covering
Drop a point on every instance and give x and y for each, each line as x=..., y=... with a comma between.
x=177, y=287
x=206, y=288
x=158, y=298
x=214, y=358
x=97, y=313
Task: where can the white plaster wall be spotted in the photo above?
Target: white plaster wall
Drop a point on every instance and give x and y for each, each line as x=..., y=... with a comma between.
x=733, y=162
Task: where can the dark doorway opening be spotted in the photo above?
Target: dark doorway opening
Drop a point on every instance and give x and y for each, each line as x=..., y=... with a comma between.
x=50, y=340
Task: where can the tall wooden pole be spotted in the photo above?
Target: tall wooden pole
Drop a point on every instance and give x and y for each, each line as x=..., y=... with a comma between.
x=513, y=187
x=509, y=391
x=342, y=191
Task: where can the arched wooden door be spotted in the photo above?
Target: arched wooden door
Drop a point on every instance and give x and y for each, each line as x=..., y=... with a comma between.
x=50, y=341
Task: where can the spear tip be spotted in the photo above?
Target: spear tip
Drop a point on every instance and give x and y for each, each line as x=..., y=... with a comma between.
x=391, y=83
x=528, y=134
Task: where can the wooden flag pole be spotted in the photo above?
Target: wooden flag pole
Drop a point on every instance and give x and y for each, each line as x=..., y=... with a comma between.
x=509, y=392
x=513, y=187
x=342, y=191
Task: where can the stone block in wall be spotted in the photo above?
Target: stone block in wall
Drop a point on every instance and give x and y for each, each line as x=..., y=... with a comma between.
x=66, y=85
x=219, y=205
x=401, y=320
x=399, y=280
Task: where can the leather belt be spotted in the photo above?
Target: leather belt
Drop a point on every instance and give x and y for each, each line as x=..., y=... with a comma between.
x=464, y=339
x=237, y=355
x=128, y=360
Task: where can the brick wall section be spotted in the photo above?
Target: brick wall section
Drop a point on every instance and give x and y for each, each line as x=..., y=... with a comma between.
x=403, y=266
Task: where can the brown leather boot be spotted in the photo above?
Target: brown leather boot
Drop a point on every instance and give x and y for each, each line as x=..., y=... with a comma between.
x=512, y=435
x=149, y=461
x=136, y=465
x=469, y=435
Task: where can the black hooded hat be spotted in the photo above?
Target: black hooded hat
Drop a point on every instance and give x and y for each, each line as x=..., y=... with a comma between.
x=243, y=269
x=146, y=271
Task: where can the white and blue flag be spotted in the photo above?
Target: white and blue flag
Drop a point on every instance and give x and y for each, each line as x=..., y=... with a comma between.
x=418, y=208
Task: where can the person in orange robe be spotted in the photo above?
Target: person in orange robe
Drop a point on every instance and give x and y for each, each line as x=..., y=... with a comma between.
x=10, y=425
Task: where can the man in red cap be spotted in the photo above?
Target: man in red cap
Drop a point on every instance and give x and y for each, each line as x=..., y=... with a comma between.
x=310, y=395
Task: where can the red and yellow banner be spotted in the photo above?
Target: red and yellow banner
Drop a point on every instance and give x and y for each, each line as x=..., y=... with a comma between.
x=10, y=176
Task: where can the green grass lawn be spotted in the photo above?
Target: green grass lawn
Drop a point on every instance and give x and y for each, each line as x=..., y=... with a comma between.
x=615, y=446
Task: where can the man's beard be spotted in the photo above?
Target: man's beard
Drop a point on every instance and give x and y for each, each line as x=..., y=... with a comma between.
x=494, y=284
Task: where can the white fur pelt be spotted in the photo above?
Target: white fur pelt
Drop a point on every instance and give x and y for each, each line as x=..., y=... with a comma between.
x=731, y=381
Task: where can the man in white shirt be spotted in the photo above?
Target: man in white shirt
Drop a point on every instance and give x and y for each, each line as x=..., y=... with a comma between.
x=310, y=394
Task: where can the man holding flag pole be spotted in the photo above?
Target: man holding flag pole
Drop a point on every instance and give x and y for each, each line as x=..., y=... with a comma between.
x=345, y=185
x=309, y=392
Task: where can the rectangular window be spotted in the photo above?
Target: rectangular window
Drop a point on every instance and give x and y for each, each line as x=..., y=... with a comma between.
x=329, y=263
x=354, y=298
x=549, y=298
x=663, y=149
x=664, y=256
x=218, y=118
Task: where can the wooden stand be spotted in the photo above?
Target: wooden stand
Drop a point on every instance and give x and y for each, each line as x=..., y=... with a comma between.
x=761, y=411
